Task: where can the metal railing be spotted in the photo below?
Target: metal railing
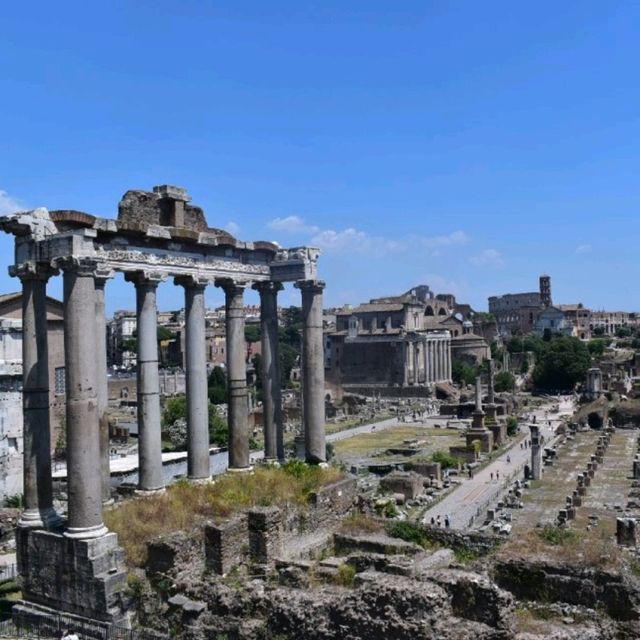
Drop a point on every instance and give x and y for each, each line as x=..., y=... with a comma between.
x=8, y=571
x=43, y=627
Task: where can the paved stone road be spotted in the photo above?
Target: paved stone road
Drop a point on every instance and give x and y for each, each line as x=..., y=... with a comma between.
x=472, y=497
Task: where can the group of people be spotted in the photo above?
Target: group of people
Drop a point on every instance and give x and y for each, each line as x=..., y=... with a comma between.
x=437, y=521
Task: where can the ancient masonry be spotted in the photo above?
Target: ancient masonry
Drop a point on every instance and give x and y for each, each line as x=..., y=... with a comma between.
x=76, y=566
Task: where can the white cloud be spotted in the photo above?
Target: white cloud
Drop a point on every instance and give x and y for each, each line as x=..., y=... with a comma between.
x=452, y=239
x=583, y=248
x=487, y=258
x=292, y=224
x=232, y=228
x=352, y=240
x=9, y=204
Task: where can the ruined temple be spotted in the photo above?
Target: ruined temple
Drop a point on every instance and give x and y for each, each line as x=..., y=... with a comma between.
x=75, y=565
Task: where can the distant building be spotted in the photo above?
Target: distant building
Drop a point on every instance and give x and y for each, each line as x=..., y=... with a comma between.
x=517, y=313
x=554, y=320
x=11, y=425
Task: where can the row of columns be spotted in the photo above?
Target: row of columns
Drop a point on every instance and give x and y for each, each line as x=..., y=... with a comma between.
x=429, y=361
x=88, y=475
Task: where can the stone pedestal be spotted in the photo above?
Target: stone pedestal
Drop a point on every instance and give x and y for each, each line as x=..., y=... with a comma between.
x=265, y=534
x=484, y=437
x=627, y=532
x=82, y=577
x=491, y=411
x=499, y=432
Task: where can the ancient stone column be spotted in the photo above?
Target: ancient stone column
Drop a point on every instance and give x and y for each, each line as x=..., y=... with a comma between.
x=439, y=360
x=236, y=376
x=196, y=361
x=38, y=495
x=150, y=476
x=491, y=392
x=431, y=373
x=313, y=370
x=101, y=378
x=449, y=363
x=271, y=394
x=84, y=480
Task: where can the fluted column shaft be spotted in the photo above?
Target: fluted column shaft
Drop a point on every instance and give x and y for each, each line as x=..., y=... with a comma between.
x=38, y=494
x=271, y=393
x=149, y=429
x=313, y=370
x=196, y=361
x=84, y=484
x=236, y=376
x=102, y=389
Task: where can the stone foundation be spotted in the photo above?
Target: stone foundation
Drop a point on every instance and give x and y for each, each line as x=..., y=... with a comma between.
x=484, y=437
x=85, y=578
x=499, y=432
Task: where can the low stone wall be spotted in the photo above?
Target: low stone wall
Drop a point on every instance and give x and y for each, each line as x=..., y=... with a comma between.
x=480, y=543
x=260, y=533
x=554, y=582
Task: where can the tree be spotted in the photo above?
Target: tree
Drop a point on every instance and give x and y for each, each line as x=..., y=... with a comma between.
x=624, y=332
x=252, y=333
x=598, y=331
x=176, y=409
x=462, y=373
x=217, y=386
x=562, y=364
x=504, y=381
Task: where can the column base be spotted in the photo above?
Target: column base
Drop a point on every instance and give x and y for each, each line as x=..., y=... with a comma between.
x=206, y=480
x=35, y=519
x=240, y=470
x=146, y=493
x=86, y=533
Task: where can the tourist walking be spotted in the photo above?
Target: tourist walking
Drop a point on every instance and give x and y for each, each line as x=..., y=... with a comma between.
x=447, y=521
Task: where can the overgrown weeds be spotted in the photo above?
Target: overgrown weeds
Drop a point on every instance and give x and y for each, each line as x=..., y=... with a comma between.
x=359, y=523
x=184, y=505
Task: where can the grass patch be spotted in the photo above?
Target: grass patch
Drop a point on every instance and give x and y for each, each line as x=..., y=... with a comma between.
x=184, y=505
x=392, y=437
x=409, y=532
x=359, y=523
x=556, y=535
x=346, y=575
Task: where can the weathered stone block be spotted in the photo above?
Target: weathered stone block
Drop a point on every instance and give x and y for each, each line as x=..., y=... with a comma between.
x=225, y=544
x=82, y=577
x=265, y=534
x=406, y=482
x=427, y=469
x=627, y=532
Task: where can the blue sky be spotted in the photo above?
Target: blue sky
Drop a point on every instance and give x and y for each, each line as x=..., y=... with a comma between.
x=468, y=145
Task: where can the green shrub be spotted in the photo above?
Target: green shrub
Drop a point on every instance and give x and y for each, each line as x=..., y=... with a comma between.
x=409, y=532
x=556, y=535
x=446, y=460
x=512, y=426
x=346, y=575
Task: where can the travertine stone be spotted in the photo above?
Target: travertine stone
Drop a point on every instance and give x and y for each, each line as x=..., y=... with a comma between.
x=313, y=370
x=197, y=399
x=38, y=495
x=272, y=400
x=149, y=429
x=236, y=376
x=83, y=437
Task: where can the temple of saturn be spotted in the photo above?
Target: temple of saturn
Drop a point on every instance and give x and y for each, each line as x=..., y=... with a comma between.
x=76, y=566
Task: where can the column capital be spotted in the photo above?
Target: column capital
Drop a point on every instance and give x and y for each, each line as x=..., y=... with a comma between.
x=191, y=282
x=82, y=266
x=145, y=278
x=32, y=271
x=267, y=286
x=230, y=286
x=102, y=274
x=312, y=286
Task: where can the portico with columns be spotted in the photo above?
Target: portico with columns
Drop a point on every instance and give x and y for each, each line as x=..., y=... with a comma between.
x=157, y=235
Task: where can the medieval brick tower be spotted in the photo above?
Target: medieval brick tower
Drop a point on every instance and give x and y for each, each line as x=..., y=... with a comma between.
x=545, y=291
